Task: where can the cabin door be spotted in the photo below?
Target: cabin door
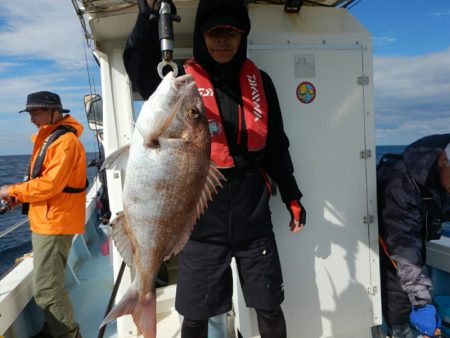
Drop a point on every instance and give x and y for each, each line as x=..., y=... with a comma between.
x=330, y=269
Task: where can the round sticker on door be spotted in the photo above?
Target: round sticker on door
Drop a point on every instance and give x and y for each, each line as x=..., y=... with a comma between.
x=306, y=92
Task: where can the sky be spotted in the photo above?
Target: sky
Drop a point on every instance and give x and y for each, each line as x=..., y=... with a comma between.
x=42, y=48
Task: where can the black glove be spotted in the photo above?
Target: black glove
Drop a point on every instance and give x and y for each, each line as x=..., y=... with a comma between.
x=153, y=11
x=144, y=9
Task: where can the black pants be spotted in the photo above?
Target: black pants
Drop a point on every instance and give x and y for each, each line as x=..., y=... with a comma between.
x=205, y=282
x=395, y=302
x=271, y=324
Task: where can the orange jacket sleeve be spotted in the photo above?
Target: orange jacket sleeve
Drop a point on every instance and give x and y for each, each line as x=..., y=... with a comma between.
x=58, y=164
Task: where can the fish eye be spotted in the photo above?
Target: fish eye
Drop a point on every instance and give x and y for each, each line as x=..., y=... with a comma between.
x=193, y=113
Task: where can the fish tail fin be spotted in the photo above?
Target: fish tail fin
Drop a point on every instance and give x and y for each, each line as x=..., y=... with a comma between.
x=144, y=314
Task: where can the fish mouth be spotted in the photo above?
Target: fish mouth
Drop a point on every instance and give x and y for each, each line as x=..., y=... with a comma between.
x=186, y=86
x=183, y=80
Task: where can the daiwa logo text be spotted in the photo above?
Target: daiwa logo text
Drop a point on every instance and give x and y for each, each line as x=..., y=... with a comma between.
x=206, y=91
x=256, y=98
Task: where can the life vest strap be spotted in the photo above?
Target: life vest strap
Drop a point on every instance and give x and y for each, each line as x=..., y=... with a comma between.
x=37, y=167
x=386, y=252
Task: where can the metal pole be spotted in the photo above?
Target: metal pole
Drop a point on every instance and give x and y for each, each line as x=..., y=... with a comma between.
x=102, y=330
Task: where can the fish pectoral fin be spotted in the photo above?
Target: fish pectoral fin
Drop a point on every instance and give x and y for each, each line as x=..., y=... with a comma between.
x=154, y=136
x=121, y=239
x=209, y=189
x=118, y=159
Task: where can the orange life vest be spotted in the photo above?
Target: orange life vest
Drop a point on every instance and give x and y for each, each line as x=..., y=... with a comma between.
x=255, y=110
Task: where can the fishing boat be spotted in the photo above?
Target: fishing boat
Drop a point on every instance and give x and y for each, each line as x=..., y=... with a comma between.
x=320, y=59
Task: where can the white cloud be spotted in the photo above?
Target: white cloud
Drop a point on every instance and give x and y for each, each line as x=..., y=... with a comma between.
x=6, y=66
x=41, y=48
x=441, y=13
x=412, y=96
x=67, y=84
x=383, y=40
x=46, y=28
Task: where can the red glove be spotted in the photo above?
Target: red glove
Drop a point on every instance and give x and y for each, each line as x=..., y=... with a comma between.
x=298, y=215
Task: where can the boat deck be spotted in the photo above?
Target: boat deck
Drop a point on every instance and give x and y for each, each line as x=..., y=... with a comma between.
x=91, y=292
x=91, y=296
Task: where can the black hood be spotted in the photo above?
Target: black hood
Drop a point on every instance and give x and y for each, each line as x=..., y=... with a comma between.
x=421, y=157
x=208, y=9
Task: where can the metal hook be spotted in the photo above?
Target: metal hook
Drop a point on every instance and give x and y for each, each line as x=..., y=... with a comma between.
x=163, y=64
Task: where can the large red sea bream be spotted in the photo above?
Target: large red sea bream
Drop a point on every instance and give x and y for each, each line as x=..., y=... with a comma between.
x=169, y=179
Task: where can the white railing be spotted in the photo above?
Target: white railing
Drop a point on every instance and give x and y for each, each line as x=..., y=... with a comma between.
x=13, y=227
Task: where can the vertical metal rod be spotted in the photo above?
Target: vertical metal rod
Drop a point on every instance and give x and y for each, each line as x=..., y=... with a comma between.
x=102, y=330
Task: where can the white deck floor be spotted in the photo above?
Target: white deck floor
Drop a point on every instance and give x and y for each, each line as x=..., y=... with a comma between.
x=90, y=299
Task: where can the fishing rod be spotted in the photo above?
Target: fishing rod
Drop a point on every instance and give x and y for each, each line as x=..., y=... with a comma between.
x=13, y=227
x=4, y=206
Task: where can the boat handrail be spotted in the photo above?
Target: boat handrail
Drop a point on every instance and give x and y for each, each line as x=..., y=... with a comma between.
x=13, y=227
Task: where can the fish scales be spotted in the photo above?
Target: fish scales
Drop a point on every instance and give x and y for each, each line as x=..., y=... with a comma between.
x=165, y=189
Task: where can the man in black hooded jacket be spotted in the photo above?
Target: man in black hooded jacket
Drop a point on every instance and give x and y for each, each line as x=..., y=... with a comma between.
x=249, y=145
x=412, y=191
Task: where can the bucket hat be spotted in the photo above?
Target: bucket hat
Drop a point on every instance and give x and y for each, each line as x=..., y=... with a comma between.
x=44, y=100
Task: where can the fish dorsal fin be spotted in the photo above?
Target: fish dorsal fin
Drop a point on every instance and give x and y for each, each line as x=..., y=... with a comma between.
x=118, y=159
x=209, y=189
x=121, y=239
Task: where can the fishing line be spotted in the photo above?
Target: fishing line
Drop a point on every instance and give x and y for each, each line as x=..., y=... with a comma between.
x=91, y=81
x=93, y=91
x=84, y=39
x=13, y=227
x=352, y=4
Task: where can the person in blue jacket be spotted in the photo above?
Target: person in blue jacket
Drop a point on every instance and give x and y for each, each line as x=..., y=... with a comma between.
x=412, y=195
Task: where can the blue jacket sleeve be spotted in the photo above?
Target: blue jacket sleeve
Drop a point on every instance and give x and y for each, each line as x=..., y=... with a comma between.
x=402, y=231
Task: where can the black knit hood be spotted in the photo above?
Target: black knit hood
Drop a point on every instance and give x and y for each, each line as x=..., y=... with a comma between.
x=208, y=9
x=421, y=157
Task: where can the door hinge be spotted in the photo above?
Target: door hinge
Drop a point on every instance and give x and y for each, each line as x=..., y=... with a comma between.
x=365, y=154
x=373, y=290
x=363, y=80
x=368, y=219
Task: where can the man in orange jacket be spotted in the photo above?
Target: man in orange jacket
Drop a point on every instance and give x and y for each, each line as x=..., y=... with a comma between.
x=55, y=194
